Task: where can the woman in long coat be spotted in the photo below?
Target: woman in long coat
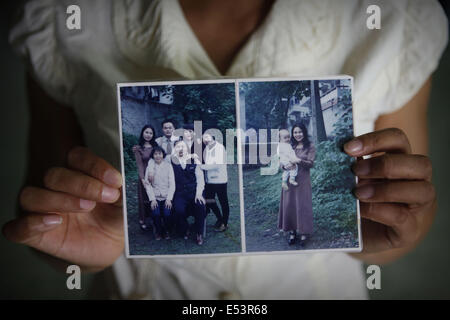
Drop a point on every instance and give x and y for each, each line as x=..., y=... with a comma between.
x=295, y=215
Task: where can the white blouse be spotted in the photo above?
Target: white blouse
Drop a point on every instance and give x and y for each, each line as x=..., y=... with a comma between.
x=215, y=164
x=136, y=40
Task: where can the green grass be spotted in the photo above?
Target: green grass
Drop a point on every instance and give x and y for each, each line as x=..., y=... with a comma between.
x=261, y=201
x=261, y=205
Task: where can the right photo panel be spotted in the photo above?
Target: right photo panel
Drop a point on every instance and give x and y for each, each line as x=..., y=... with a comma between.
x=297, y=182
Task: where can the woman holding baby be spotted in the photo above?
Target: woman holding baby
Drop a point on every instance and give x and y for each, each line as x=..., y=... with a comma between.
x=295, y=215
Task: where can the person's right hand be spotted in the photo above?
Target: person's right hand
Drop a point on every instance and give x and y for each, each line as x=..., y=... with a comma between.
x=153, y=204
x=78, y=216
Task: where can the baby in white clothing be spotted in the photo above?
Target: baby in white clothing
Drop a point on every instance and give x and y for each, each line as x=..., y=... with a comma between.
x=287, y=157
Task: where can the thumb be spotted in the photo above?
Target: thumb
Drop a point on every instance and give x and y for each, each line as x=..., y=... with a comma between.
x=30, y=228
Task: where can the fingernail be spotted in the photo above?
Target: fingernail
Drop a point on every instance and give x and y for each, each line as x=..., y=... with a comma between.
x=51, y=220
x=354, y=146
x=365, y=192
x=87, y=204
x=361, y=168
x=109, y=194
x=112, y=178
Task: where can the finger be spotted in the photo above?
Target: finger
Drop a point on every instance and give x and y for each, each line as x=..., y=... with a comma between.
x=363, y=182
x=394, y=166
x=408, y=192
x=29, y=229
x=119, y=202
x=84, y=160
x=389, y=214
x=393, y=140
x=395, y=224
x=41, y=200
x=79, y=185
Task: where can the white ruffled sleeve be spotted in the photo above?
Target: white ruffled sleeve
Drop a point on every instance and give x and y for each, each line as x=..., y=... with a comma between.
x=35, y=38
x=423, y=39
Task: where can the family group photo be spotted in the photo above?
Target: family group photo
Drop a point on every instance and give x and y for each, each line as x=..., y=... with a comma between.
x=181, y=196
x=302, y=199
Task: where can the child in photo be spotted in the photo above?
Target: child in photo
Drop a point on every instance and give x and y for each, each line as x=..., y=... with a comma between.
x=160, y=191
x=287, y=156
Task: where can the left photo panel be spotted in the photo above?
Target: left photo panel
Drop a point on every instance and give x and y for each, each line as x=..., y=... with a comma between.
x=181, y=184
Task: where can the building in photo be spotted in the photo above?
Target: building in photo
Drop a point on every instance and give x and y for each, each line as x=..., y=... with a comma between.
x=332, y=92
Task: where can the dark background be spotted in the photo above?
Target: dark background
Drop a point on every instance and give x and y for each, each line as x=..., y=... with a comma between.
x=422, y=274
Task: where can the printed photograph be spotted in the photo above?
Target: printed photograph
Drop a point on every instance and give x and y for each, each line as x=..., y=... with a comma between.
x=297, y=181
x=181, y=195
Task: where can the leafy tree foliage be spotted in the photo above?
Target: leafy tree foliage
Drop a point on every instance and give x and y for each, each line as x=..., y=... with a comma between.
x=214, y=104
x=263, y=98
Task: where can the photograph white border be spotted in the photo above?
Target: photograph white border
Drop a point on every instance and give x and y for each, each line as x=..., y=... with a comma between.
x=236, y=82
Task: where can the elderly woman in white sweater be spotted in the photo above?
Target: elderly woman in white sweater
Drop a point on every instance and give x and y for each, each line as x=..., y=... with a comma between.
x=160, y=191
x=216, y=177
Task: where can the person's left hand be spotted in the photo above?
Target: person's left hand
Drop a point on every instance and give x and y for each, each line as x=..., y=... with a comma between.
x=397, y=198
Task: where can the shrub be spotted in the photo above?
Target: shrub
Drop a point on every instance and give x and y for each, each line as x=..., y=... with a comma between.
x=129, y=141
x=334, y=206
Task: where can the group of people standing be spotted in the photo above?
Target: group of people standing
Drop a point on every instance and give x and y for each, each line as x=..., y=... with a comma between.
x=180, y=177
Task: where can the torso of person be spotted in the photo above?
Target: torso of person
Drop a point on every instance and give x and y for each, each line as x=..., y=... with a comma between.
x=161, y=181
x=185, y=179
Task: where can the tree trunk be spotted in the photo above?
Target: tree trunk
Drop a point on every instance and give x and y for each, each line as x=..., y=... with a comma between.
x=318, y=126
